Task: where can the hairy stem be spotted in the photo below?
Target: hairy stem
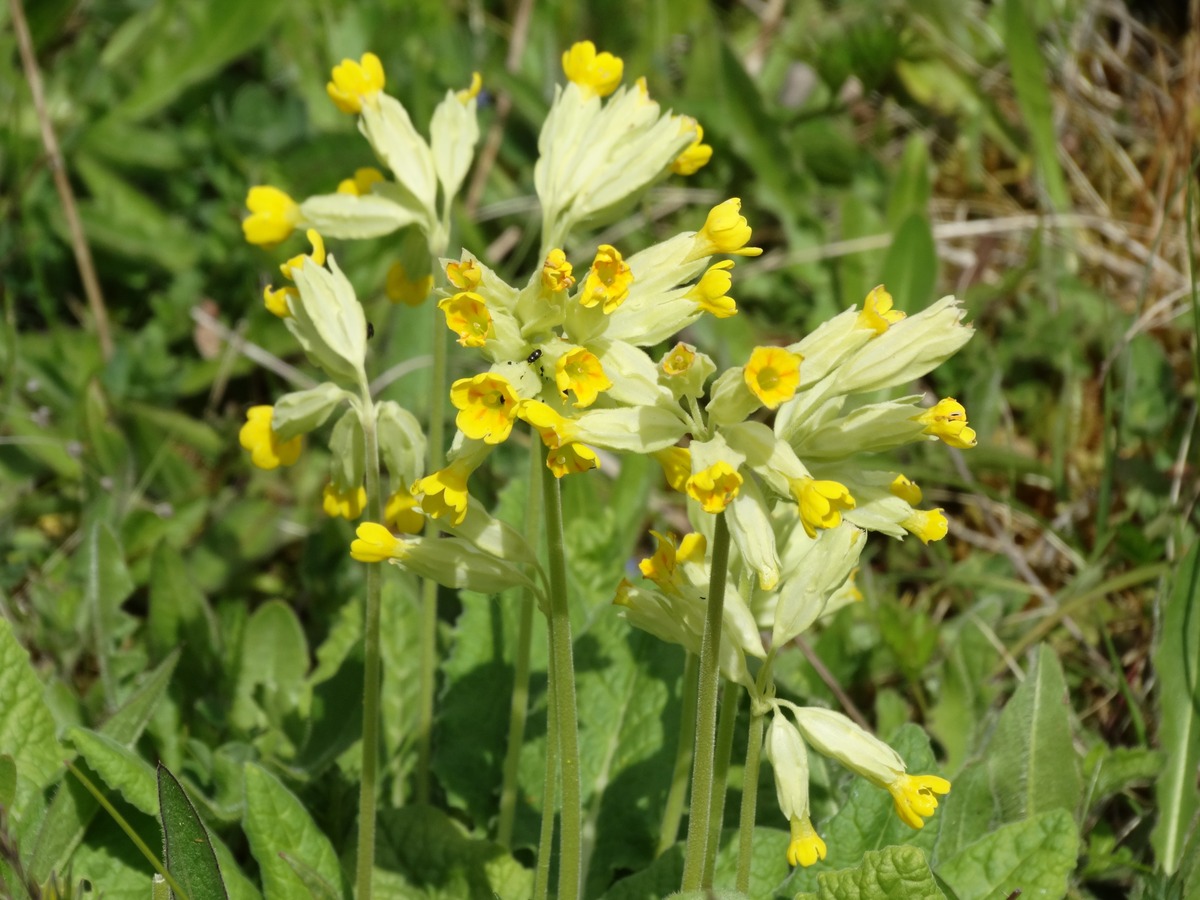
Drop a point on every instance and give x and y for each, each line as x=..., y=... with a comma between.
x=706, y=713
x=726, y=722
x=673, y=810
x=562, y=676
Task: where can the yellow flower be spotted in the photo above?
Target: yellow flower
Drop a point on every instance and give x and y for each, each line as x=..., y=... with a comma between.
x=877, y=313
x=661, y=566
x=276, y=300
x=806, y=846
x=375, y=543
x=676, y=463
x=468, y=317
x=773, y=374
x=444, y=493
x=608, y=280
x=464, y=275
x=711, y=292
x=403, y=514
x=821, y=503
x=267, y=451
x=360, y=184
x=317, y=256
x=697, y=154
x=402, y=289
x=914, y=797
x=725, y=231
x=948, y=421
x=556, y=272
x=273, y=216
x=715, y=487
x=348, y=504
x=906, y=490
x=678, y=359
x=927, y=524
x=487, y=407
x=554, y=429
x=355, y=82
x=472, y=91
x=596, y=74
x=579, y=371
x=571, y=459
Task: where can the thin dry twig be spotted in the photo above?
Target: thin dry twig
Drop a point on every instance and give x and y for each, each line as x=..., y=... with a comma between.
x=66, y=196
x=251, y=351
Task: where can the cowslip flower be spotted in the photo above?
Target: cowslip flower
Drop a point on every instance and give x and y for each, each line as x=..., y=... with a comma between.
x=354, y=83
x=725, y=231
x=695, y=157
x=487, y=407
x=346, y=503
x=400, y=287
x=597, y=74
x=789, y=760
x=267, y=451
x=273, y=216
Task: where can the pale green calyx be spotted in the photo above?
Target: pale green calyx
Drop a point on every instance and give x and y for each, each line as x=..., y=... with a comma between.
x=303, y=411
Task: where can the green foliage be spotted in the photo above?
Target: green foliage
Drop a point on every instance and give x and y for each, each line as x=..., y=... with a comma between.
x=1035, y=855
x=26, y=729
x=892, y=872
x=187, y=851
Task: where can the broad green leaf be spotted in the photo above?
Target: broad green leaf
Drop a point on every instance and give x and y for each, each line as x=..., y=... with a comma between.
x=187, y=850
x=966, y=813
x=893, y=873
x=1032, y=761
x=225, y=30
x=8, y=781
x=26, y=726
x=966, y=690
x=1110, y=770
x=868, y=819
x=911, y=188
x=910, y=269
x=1030, y=81
x=73, y=807
x=274, y=659
x=400, y=636
x=109, y=860
x=420, y=852
x=119, y=767
x=1177, y=661
x=318, y=888
x=1035, y=855
x=179, y=613
x=277, y=822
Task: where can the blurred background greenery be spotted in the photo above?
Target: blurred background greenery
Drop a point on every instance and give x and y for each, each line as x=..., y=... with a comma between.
x=1032, y=156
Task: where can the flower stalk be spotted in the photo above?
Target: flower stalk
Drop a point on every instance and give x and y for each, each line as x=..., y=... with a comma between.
x=368, y=790
x=700, y=807
x=673, y=809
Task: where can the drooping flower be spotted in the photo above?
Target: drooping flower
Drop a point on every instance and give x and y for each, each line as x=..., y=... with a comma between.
x=402, y=513
x=571, y=459
x=556, y=272
x=596, y=74
x=696, y=156
x=927, y=524
x=400, y=288
x=877, y=313
x=725, y=231
x=948, y=420
x=821, y=503
x=266, y=450
x=915, y=797
x=579, y=372
x=715, y=487
x=354, y=83
x=467, y=316
x=374, y=543
x=346, y=504
x=711, y=292
x=360, y=184
x=607, y=281
x=273, y=216
x=906, y=490
x=444, y=493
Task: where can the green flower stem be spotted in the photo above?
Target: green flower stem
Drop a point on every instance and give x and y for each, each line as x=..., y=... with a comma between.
x=519, y=708
x=764, y=689
x=562, y=676
x=749, y=798
x=673, y=810
x=726, y=722
x=368, y=790
x=429, y=589
x=706, y=712
x=541, y=878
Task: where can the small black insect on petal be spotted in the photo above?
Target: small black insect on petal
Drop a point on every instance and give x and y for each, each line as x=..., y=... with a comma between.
x=370, y=331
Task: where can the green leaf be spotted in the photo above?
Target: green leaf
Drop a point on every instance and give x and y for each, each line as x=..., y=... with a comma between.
x=1035, y=855
x=422, y=853
x=1030, y=82
x=188, y=854
x=119, y=767
x=318, y=887
x=911, y=188
x=111, y=861
x=179, y=613
x=73, y=807
x=225, y=30
x=8, y=781
x=1177, y=660
x=1032, y=761
x=893, y=873
x=868, y=819
x=966, y=813
x=274, y=659
x=26, y=727
x=910, y=268
x=276, y=821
